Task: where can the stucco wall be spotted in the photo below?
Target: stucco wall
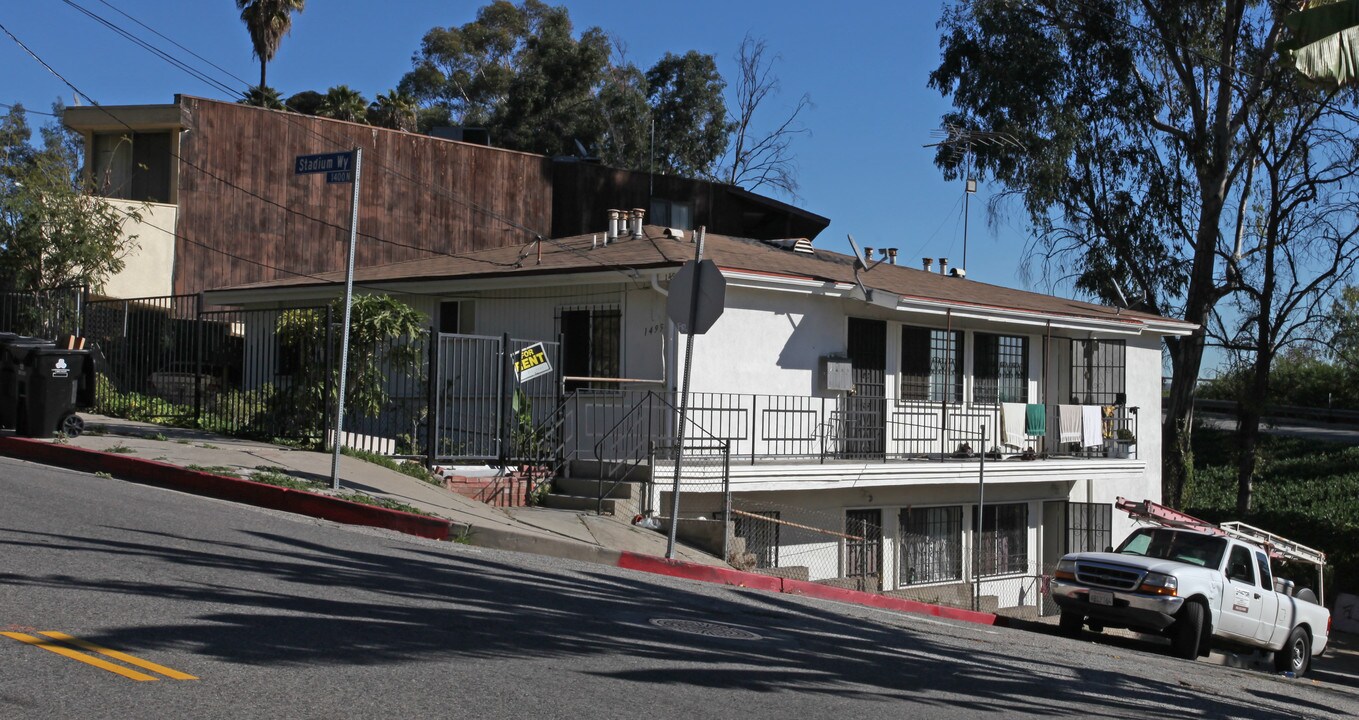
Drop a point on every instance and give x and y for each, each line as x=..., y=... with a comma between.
x=148, y=269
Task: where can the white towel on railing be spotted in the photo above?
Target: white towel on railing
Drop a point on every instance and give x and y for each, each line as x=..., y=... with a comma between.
x=1091, y=422
x=1012, y=424
x=1069, y=418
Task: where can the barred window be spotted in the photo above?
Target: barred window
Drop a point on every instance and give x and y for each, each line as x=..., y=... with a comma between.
x=1004, y=543
x=931, y=365
x=591, y=340
x=1089, y=527
x=931, y=544
x=1098, y=372
x=1001, y=369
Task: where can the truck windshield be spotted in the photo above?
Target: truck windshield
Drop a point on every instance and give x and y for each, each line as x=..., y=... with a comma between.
x=1181, y=546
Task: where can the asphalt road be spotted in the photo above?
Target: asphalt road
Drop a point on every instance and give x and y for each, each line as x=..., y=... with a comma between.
x=282, y=616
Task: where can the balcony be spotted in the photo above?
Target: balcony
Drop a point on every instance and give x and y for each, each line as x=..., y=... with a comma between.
x=617, y=425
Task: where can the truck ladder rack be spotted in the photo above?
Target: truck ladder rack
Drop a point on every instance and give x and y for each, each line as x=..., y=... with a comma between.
x=1275, y=545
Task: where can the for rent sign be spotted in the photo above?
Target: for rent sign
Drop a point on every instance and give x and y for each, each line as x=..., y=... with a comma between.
x=531, y=362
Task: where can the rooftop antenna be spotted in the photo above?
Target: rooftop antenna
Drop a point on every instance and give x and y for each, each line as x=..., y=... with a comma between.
x=861, y=265
x=960, y=141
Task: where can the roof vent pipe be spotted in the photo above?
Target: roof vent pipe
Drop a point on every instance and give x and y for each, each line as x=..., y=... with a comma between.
x=868, y=254
x=613, y=227
x=943, y=266
x=892, y=256
x=637, y=215
x=928, y=263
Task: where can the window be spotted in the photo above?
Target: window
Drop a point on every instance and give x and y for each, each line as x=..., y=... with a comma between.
x=1004, y=541
x=1098, y=372
x=451, y=318
x=669, y=213
x=1239, y=566
x=931, y=544
x=761, y=535
x=1089, y=527
x=590, y=344
x=931, y=365
x=1001, y=369
x=133, y=166
x=1262, y=562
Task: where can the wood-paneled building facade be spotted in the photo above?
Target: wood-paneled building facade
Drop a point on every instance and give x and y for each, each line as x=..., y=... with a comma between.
x=224, y=207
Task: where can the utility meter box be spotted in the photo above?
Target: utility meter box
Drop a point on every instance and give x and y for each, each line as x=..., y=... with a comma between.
x=837, y=373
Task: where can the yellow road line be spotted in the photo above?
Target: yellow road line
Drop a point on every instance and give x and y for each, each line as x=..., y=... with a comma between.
x=82, y=657
x=130, y=660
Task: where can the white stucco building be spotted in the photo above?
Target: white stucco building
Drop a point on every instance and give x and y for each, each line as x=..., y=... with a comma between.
x=861, y=414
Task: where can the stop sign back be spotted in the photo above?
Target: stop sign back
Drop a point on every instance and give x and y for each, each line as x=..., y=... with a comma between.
x=703, y=280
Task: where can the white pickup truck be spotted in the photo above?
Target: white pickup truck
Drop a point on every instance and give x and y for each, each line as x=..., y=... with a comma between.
x=1198, y=588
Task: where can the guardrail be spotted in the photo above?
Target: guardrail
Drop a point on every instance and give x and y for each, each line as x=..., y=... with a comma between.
x=1325, y=415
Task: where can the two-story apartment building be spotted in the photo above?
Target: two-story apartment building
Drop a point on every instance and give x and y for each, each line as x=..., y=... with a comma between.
x=894, y=428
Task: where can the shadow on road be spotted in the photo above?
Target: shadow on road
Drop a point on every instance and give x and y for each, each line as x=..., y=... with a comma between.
x=416, y=604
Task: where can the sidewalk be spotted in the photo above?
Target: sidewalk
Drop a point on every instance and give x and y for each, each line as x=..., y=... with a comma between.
x=557, y=533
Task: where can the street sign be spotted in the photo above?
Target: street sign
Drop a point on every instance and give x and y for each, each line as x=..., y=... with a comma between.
x=530, y=362
x=699, y=278
x=338, y=166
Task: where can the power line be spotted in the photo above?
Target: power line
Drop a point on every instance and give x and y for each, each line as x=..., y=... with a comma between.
x=26, y=110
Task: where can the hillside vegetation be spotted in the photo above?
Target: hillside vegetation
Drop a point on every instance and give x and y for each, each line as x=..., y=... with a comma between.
x=1306, y=491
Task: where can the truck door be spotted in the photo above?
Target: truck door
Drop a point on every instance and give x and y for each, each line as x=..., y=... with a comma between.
x=1241, y=598
x=1269, y=603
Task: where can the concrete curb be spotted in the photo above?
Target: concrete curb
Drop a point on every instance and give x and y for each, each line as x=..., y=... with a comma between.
x=705, y=573
x=174, y=477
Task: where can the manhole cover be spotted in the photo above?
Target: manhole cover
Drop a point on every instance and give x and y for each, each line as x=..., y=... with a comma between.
x=700, y=627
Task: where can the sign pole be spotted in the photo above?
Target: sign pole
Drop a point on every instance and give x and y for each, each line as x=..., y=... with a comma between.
x=684, y=400
x=348, y=311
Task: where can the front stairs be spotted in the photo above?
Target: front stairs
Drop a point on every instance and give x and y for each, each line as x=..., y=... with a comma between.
x=581, y=486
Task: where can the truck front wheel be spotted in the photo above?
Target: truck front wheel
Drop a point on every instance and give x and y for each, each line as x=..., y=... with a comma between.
x=1070, y=623
x=1295, y=655
x=1187, y=631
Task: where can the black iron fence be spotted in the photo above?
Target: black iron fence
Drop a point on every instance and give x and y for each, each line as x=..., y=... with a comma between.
x=49, y=314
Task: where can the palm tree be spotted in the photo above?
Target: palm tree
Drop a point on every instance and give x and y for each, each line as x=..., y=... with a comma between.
x=262, y=96
x=396, y=110
x=344, y=103
x=268, y=21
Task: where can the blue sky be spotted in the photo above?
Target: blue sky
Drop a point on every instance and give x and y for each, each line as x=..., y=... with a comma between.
x=865, y=66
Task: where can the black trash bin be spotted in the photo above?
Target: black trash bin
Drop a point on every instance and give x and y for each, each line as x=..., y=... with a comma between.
x=41, y=386
x=14, y=358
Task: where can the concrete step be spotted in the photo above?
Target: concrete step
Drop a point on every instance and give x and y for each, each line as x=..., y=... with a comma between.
x=590, y=487
x=592, y=469
x=618, y=507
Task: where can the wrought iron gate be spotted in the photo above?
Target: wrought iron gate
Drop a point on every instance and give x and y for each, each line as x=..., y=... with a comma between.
x=480, y=405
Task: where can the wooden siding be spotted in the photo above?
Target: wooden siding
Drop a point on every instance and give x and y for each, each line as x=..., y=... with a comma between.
x=420, y=197
x=584, y=192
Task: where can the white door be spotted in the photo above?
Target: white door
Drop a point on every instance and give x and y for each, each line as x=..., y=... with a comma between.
x=1241, y=598
x=1269, y=603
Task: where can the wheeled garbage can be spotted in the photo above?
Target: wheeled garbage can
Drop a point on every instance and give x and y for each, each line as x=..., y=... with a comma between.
x=41, y=386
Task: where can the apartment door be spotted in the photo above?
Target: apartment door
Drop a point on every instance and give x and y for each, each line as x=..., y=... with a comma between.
x=866, y=410
x=863, y=549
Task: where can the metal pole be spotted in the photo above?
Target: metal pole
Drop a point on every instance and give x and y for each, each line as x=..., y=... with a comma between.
x=431, y=398
x=344, y=332
x=976, y=532
x=684, y=399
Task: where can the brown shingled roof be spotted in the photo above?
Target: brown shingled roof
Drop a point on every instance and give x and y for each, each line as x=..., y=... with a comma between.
x=586, y=253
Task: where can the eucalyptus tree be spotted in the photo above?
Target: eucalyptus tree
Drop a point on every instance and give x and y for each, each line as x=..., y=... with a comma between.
x=1133, y=117
x=268, y=22
x=1297, y=243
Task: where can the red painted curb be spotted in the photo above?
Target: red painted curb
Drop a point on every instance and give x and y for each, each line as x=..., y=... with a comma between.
x=159, y=474
x=725, y=576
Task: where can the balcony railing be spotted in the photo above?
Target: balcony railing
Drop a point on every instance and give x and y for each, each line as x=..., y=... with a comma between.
x=857, y=428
